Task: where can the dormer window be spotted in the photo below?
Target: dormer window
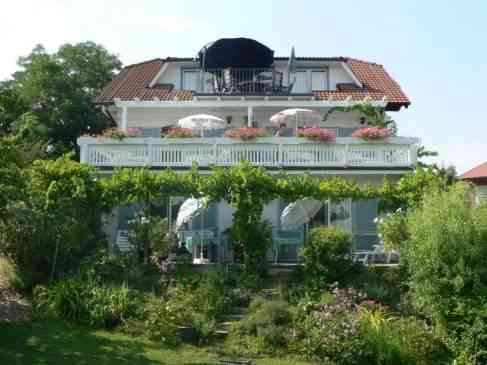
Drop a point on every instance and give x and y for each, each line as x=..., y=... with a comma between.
x=190, y=79
x=308, y=80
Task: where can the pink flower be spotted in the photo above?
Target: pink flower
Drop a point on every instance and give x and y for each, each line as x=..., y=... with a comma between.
x=245, y=133
x=317, y=134
x=181, y=133
x=372, y=133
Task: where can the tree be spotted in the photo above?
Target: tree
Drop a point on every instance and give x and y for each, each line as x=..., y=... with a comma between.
x=60, y=89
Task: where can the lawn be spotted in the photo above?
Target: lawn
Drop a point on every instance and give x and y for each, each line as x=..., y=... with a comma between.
x=54, y=342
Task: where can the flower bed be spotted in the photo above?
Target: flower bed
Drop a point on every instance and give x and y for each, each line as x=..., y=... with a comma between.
x=372, y=133
x=245, y=133
x=316, y=134
x=115, y=133
x=181, y=133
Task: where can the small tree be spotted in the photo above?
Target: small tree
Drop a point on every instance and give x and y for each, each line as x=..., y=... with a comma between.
x=446, y=253
x=326, y=256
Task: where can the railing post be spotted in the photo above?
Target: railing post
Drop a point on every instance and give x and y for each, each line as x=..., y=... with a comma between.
x=346, y=159
x=215, y=153
x=150, y=149
x=280, y=156
x=84, y=153
x=413, y=154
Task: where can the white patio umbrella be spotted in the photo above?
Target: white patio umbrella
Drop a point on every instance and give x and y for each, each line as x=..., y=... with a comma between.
x=188, y=210
x=300, y=212
x=202, y=122
x=297, y=116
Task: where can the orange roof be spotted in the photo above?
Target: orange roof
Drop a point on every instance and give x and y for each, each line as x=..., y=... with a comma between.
x=476, y=173
x=133, y=82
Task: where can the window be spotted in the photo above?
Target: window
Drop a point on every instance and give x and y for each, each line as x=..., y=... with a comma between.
x=190, y=80
x=318, y=80
x=301, y=84
x=309, y=80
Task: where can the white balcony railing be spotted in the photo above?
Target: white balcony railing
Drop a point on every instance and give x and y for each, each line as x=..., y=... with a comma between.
x=268, y=152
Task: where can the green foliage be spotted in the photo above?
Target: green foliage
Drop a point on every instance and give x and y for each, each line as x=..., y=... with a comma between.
x=401, y=341
x=326, y=256
x=149, y=236
x=264, y=330
x=160, y=323
x=62, y=86
x=328, y=329
x=393, y=230
x=56, y=219
x=12, y=105
x=447, y=259
x=88, y=302
x=410, y=190
x=9, y=275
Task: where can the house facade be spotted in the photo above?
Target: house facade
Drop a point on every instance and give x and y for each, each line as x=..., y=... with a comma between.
x=478, y=178
x=154, y=95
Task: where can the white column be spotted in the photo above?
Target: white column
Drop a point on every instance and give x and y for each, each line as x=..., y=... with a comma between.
x=124, y=122
x=250, y=116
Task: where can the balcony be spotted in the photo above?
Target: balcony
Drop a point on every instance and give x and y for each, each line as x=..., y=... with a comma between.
x=274, y=152
x=236, y=81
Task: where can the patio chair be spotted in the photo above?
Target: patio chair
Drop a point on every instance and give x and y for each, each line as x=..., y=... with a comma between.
x=228, y=83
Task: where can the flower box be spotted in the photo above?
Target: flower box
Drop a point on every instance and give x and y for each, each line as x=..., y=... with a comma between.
x=372, y=133
x=118, y=134
x=317, y=134
x=245, y=133
x=181, y=133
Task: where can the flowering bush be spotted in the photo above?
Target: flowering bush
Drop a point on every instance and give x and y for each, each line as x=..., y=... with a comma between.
x=372, y=133
x=181, y=133
x=393, y=229
x=245, y=133
x=330, y=329
x=119, y=134
x=317, y=134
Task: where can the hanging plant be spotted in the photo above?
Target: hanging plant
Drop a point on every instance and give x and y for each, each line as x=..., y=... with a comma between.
x=181, y=133
x=372, y=133
x=118, y=134
x=246, y=133
x=317, y=134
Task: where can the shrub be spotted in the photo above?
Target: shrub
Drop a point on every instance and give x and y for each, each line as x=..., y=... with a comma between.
x=181, y=133
x=393, y=230
x=160, y=322
x=401, y=340
x=9, y=275
x=266, y=329
x=87, y=302
x=373, y=133
x=317, y=134
x=447, y=257
x=326, y=256
x=245, y=133
x=329, y=329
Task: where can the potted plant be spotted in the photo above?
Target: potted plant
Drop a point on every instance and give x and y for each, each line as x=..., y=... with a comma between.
x=118, y=134
x=373, y=133
x=181, y=133
x=316, y=134
x=246, y=133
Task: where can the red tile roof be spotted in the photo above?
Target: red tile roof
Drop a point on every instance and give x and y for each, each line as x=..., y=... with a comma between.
x=133, y=82
x=478, y=172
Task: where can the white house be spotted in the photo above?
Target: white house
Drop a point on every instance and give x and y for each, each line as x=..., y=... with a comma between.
x=158, y=93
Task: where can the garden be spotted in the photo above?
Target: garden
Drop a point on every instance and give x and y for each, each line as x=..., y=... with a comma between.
x=89, y=304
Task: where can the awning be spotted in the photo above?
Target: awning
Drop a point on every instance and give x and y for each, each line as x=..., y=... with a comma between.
x=235, y=53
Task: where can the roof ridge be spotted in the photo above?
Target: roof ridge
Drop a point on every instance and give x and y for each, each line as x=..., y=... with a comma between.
x=143, y=63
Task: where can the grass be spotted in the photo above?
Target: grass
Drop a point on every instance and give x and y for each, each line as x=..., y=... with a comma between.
x=50, y=342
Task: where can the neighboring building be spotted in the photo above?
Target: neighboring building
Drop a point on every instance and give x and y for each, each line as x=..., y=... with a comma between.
x=478, y=177
x=157, y=93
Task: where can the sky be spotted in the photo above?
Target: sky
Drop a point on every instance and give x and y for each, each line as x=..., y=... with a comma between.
x=436, y=49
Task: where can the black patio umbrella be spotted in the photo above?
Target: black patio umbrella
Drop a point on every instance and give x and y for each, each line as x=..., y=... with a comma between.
x=235, y=53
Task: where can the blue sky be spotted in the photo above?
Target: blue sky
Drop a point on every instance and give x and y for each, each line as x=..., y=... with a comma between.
x=436, y=50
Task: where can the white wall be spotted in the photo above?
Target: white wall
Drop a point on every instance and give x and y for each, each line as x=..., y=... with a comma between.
x=160, y=117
